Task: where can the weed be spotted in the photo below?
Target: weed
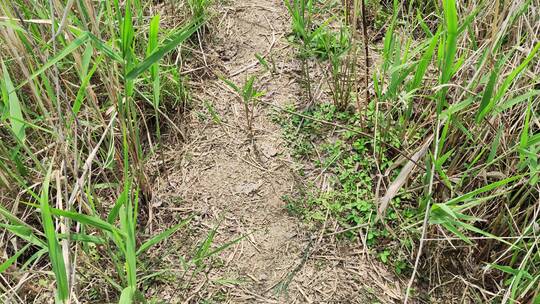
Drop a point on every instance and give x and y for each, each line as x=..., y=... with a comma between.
x=249, y=96
x=199, y=8
x=342, y=77
x=301, y=12
x=346, y=159
x=210, y=108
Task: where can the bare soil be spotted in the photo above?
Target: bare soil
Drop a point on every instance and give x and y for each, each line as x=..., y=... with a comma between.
x=217, y=175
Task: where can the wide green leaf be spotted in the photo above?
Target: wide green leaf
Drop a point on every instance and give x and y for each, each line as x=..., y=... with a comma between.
x=486, y=104
x=486, y=188
x=510, y=79
x=154, y=69
x=25, y=233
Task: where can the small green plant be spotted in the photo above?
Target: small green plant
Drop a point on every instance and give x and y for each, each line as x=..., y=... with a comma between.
x=342, y=65
x=200, y=260
x=271, y=67
x=327, y=43
x=213, y=113
x=301, y=12
x=249, y=96
x=122, y=235
x=199, y=8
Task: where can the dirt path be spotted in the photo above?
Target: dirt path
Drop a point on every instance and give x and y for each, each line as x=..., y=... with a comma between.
x=216, y=175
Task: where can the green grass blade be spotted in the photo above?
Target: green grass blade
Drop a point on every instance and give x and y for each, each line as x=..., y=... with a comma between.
x=205, y=246
x=127, y=32
x=160, y=237
x=486, y=188
x=450, y=225
x=127, y=296
x=262, y=61
x=205, y=253
x=510, y=79
x=61, y=55
x=113, y=214
x=80, y=237
x=34, y=257
x=423, y=24
x=424, y=63
x=448, y=50
x=534, y=140
x=12, y=218
x=103, y=47
x=177, y=39
x=524, y=136
x=154, y=69
x=451, y=18
x=495, y=145
x=127, y=224
x=247, y=91
x=231, y=84
x=4, y=266
x=55, y=253
x=24, y=233
x=81, y=92
x=503, y=106
x=87, y=220
x=86, y=59
x=486, y=105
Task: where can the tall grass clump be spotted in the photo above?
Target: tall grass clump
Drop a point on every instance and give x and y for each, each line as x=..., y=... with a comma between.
x=78, y=85
x=329, y=38
x=469, y=88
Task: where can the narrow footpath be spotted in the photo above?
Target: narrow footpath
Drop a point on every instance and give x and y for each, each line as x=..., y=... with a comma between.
x=217, y=176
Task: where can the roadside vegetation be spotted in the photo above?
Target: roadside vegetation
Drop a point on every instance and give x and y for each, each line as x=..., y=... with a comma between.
x=87, y=90
x=435, y=166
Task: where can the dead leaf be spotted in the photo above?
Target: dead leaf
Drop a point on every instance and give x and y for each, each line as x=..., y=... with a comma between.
x=400, y=180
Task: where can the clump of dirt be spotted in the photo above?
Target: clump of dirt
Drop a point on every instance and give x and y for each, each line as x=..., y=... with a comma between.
x=218, y=176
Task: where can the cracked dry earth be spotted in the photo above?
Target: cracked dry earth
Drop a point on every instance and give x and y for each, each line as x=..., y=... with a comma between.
x=217, y=176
